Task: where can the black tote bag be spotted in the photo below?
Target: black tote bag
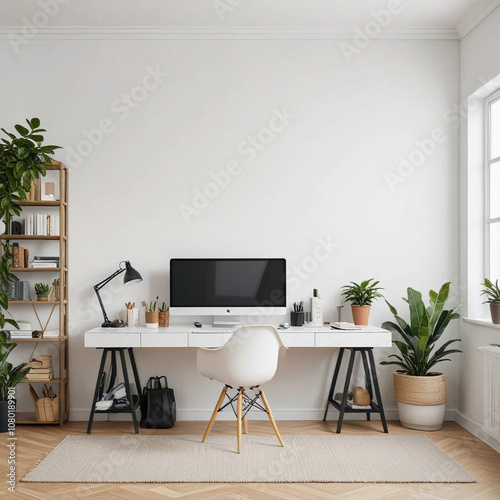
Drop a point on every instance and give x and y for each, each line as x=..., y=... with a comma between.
x=158, y=408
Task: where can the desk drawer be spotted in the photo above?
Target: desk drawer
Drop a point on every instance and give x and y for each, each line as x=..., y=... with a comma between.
x=113, y=340
x=208, y=339
x=164, y=340
x=353, y=339
x=299, y=339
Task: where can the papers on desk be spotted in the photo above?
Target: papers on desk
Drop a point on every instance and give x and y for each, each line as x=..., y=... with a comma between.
x=343, y=325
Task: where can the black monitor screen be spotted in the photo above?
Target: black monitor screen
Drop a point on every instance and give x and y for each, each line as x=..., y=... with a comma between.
x=227, y=282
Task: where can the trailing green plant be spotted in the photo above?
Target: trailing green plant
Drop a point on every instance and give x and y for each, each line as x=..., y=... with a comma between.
x=22, y=158
x=42, y=288
x=418, y=353
x=492, y=292
x=10, y=375
x=362, y=294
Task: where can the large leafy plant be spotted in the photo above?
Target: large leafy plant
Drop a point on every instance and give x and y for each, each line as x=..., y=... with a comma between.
x=10, y=375
x=362, y=294
x=417, y=347
x=22, y=158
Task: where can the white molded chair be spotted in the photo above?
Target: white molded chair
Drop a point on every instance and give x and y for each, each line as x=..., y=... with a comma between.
x=247, y=360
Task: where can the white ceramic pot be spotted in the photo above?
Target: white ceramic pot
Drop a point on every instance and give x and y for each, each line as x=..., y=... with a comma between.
x=422, y=418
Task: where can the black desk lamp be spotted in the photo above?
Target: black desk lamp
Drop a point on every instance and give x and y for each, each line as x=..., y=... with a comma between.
x=131, y=276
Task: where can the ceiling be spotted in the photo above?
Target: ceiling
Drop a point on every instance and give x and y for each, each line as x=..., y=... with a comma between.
x=452, y=17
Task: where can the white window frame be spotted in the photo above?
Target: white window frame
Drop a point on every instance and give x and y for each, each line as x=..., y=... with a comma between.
x=488, y=163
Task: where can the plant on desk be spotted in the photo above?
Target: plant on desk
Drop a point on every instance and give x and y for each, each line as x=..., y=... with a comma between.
x=420, y=392
x=42, y=291
x=492, y=292
x=361, y=296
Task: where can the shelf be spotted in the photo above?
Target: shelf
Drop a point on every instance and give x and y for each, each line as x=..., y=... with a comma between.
x=122, y=410
x=48, y=339
x=14, y=302
x=29, y=237
x=51, y=381
x=38, y=270
x=28, y=417
x=39, y=203
x=374, y=408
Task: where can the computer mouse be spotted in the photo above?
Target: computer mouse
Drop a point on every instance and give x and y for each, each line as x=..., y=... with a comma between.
x=284, y=325
x=197, y=324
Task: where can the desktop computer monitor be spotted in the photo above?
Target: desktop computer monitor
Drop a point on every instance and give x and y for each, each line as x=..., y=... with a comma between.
x=227, y=287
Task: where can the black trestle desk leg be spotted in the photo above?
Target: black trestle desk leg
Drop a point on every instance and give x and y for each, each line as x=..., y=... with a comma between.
x=129, y=391
x=334, y=380
x=377, y=390
x=346, y=390
x=112, y=371
x=368, y=379
x=96, y=392
x=134, y=369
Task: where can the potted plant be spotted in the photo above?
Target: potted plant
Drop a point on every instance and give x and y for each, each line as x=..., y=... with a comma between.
x=492, y=292
x=361, y=296
x=55, y=289
x=42, y=291
x=420, y=392
x=10, y=376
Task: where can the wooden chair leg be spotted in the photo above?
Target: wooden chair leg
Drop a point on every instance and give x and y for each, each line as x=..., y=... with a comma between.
x=214, y=414
x=240, y=416
x=270, y=415
x=245, y=425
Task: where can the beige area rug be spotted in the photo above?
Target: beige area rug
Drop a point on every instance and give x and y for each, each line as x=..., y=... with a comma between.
x=304, y=459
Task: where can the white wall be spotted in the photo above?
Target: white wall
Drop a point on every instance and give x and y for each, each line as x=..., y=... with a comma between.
x=323, y=177
x=479, y=64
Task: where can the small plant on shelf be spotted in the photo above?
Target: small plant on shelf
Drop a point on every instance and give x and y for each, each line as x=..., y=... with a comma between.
x=42, y=291
x=361, y=296
x=492, y=292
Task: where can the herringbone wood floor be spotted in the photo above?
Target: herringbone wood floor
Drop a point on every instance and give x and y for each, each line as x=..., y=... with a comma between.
x=478, y=458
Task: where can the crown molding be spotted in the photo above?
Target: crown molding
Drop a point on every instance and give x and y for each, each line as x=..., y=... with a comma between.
x=477, y=15
x=218, y=33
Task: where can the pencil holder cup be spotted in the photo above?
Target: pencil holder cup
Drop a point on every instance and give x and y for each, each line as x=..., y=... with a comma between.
x=164, y=318
x=297, y=318
x=152, y=319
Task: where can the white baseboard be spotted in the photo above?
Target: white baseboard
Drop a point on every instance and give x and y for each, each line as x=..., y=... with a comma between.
x=476, y=428
x=82, y=415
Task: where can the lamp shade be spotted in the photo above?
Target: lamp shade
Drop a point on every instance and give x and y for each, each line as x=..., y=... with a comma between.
x=131, y=275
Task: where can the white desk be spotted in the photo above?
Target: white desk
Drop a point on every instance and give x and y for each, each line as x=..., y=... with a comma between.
x=187, y=335
x=118, y=340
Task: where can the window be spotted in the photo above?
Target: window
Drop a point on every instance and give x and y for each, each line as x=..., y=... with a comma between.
x=493, y=185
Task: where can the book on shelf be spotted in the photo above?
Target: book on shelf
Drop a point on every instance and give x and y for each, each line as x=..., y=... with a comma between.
x=36, y=374
x=19, y=290
x=20, y=256
x=44, y=262
x=21, y=334
x=51, y=334
x=41, y=225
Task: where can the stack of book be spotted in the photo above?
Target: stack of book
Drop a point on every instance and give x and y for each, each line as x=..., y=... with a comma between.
x=40, y=374
x=41, y=225
x=44, y=262
x=19, y=290
x=21, y=334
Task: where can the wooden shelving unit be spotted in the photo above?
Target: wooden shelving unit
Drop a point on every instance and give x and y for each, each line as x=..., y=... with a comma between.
x=62, y=304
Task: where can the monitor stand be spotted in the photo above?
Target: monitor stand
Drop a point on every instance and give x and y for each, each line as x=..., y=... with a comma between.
x=226, y=322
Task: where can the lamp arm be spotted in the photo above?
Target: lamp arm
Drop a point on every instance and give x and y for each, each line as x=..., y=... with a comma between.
x=102, y=284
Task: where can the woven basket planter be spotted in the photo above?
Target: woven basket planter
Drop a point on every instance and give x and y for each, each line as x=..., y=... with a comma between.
x=421, y=400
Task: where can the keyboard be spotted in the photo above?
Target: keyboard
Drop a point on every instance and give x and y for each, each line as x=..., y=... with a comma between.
x=213, y=330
